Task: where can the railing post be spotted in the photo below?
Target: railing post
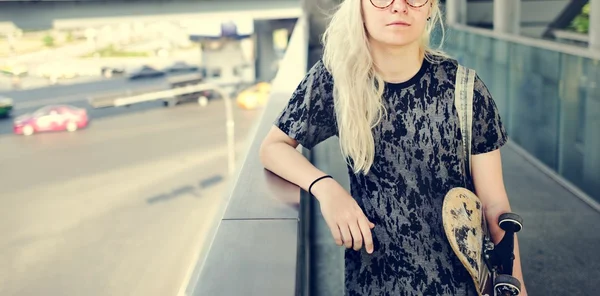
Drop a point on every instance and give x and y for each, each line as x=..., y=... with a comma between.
x=265, y=50
x=507, y=16
x=456, y=12
x=230, y=133
x=594, y=28
x=317, y=13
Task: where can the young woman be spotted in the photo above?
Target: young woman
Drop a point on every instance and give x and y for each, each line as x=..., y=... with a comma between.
x=389, y=98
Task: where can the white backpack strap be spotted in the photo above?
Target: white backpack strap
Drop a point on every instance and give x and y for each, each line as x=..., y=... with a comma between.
x=463, y=100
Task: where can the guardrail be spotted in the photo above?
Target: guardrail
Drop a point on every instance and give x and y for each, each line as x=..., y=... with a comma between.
x=257, y=247
x=107, y=100
x=148, y=96
x=170, y=95
x=589, y=53
x=570, y=36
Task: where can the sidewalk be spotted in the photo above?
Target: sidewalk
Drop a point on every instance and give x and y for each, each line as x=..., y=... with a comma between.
x=561, y=234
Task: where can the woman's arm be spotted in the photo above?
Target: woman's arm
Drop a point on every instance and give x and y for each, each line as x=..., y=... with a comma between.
x=489, y=186
x=347, y=222
x=278, y=154
x=308, y=119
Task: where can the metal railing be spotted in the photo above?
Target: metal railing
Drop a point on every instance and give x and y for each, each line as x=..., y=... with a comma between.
x=170, y=95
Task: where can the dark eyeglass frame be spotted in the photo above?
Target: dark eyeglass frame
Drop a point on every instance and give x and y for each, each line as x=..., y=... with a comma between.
x=392, y=2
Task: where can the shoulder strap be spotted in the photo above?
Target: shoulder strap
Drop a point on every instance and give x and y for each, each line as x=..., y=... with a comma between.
x=463, y=100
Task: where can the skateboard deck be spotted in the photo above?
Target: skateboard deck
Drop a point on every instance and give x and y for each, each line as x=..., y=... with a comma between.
x=466, y=230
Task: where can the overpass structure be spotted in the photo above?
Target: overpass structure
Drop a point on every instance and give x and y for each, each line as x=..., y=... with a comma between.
x=103, y=23
x=63, y=15
x=271, y=239
x=536, y=17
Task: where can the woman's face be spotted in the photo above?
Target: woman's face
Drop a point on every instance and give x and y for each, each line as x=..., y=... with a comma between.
x=396, y=22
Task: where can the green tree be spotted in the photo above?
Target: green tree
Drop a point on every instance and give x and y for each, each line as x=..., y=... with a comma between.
x=48, y=41
x=581, y=23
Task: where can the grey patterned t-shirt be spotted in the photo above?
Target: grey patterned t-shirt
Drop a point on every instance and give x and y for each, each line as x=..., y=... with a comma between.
x=417, y=160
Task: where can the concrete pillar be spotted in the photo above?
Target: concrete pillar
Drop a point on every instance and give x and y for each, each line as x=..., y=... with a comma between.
x=456, y=12
x=318, y=20
x=451, y=12
x=266, y=57
x=594, y=30
x=507, y=16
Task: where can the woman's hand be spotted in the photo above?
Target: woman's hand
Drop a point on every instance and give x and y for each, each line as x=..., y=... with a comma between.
x=348, y=224
x=523, y=291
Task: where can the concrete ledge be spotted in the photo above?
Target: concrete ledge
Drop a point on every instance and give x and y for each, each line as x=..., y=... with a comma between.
x=251, y=258
x=259, y=245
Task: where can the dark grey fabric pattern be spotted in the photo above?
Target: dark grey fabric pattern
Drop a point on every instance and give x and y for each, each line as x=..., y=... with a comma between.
x=417, y=160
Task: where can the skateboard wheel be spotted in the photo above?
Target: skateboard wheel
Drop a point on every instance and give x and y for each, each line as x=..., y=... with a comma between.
x=507, y=285
x=510, y=222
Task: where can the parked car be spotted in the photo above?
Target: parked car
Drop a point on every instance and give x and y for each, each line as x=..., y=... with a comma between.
x=145, y=72
x=181, y=67
x=201, y=97
x=51, y=118
x=6, y=106
x=254, y=96
x=109, y=72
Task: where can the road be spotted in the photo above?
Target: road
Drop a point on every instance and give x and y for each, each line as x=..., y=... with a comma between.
x=76, y=94
x=119, y=208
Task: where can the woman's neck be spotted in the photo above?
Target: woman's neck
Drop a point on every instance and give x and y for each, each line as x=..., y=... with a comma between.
x=396, y=64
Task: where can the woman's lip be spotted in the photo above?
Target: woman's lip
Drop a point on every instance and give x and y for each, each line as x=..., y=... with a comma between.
x=399, y=23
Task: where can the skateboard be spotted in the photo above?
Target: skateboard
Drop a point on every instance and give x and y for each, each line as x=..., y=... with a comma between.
x=489, y=265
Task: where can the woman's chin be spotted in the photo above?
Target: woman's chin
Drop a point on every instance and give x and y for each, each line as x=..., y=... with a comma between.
x=396, y=41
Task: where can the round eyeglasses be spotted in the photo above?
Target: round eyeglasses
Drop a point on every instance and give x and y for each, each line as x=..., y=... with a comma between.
x=387, y=3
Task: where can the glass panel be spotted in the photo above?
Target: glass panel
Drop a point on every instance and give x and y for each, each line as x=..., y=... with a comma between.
x=571, y=163
x=591, y=129
x=498, y=81
x=549, y=102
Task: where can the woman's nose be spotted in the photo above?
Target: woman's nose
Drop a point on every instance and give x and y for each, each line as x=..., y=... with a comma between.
x=400, y=6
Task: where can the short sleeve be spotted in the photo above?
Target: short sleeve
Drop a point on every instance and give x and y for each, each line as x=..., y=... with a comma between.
x=309, y=116
x=488, y=131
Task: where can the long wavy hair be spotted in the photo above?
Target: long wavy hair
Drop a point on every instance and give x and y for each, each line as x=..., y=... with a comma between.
x=358, y=88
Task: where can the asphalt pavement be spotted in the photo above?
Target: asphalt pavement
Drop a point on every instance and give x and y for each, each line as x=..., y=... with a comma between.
x=119, y=208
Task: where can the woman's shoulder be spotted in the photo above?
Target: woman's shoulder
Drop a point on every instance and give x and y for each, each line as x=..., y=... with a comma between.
x=444, y=68
x=320, y=70
x=320, y=76
x=444, y=63
x=316, y=79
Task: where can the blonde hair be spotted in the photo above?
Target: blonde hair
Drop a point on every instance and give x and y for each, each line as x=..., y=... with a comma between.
x=358, y=88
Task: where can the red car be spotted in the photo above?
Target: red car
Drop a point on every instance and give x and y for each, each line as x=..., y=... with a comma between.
x=51, y=118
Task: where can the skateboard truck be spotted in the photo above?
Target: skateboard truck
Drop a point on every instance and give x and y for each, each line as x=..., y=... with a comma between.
x=500, y=257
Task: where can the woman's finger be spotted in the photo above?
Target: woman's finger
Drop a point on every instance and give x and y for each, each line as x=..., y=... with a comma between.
x=356, y=235
x=335, y=233
x=346, y=236
x=365, y=228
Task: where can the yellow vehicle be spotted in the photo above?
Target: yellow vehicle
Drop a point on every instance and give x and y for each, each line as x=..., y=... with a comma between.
x=254, y=96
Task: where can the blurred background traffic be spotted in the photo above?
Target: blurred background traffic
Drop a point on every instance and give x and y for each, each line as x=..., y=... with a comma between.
x=120, y=123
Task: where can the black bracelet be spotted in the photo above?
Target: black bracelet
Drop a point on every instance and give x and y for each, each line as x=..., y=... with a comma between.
x=315, y=181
